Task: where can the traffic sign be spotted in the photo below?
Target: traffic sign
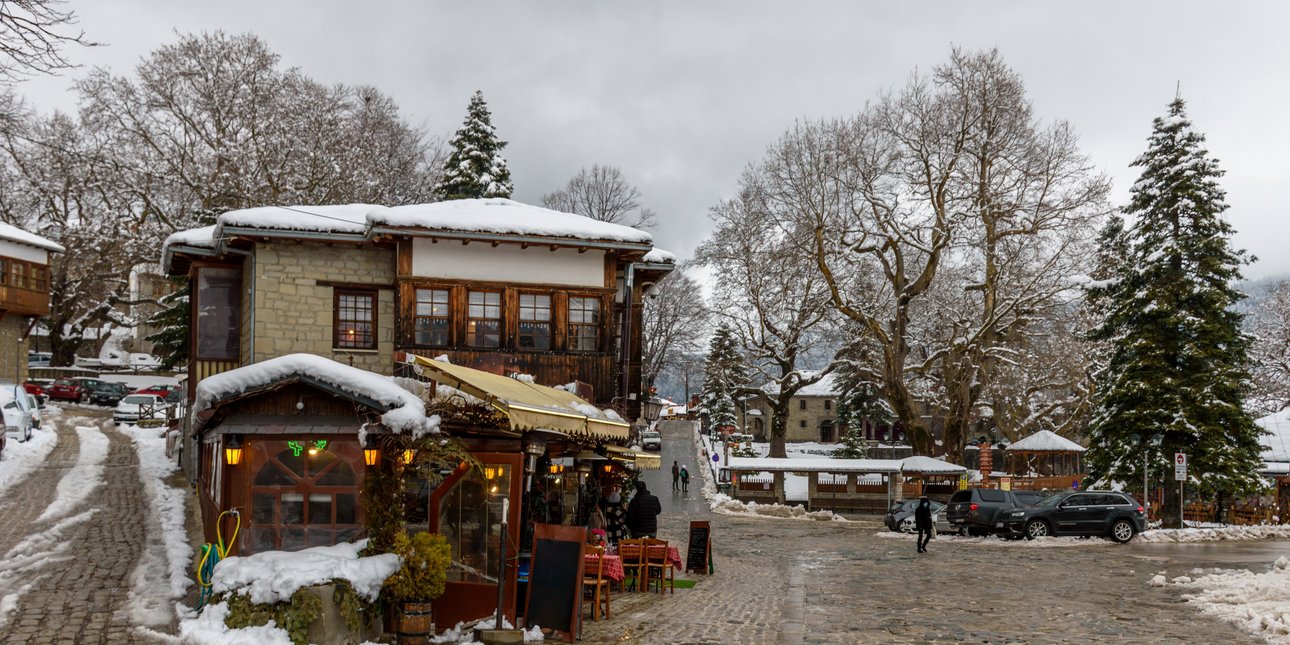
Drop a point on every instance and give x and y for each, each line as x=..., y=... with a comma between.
x=1180, y=466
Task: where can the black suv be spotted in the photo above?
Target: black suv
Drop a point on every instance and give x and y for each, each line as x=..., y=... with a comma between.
x=975, y=510
x=1087, y=513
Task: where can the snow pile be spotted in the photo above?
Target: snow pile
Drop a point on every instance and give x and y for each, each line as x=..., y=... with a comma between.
x=722, y=503
x=20, y=459
x=464, y=632
x=272, y=576
x=1257, y=602
x=161, y=578
x=1221, y=534
x=84, y=478
x=406, y=411
x=209, y=629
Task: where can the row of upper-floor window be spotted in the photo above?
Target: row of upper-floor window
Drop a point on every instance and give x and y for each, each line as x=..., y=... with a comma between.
x=22, y=274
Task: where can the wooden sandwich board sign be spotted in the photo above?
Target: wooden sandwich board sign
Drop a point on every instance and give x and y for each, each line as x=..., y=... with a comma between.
x=698, y=558
x=555, y=579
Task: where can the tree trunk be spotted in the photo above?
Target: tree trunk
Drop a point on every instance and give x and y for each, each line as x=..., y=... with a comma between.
x=778, y=430
x=1172, y=510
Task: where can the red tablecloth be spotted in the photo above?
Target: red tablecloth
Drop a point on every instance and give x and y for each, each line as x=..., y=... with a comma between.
x=613, y=566
x=673, y=555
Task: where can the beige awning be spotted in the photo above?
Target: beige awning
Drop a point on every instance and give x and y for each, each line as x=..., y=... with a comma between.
x=528, y=406
x=643, y=460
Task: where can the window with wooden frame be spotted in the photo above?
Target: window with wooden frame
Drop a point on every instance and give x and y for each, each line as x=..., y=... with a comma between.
x=354, y=319
x=801, y=404
x=18, y=274
x=219, y=305
x=484, y=319
x=303, y=493
x=584, y=323
x=535, y=321
x=432, y=320
x=39, y=278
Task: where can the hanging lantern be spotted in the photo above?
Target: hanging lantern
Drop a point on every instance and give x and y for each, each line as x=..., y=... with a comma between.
x=371, y=453
x=609, y=468
x=233, y=450
x=407, y=456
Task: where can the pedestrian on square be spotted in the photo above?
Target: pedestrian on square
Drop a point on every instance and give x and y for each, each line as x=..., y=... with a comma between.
x=685, y=480
x=923, y=522
x=676, y=476
x=642, y=513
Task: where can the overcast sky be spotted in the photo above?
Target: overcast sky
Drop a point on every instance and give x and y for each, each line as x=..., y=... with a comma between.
x=682, y=95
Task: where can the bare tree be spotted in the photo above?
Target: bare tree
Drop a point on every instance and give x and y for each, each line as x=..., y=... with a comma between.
x=675, y=320
x=32, y=36
x=771, y=295
x=602, y=193
x=1269, y=324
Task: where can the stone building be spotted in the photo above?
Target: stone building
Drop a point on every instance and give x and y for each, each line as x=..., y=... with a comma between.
x=24, y=295
x=812, y=414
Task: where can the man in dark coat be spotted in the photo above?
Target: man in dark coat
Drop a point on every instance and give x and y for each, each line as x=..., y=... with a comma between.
x=923, y=522
x=642, y=513
x=676, y=476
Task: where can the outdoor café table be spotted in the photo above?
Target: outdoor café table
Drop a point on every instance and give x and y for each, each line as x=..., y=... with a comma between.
x=613, y=566
x=673, y=555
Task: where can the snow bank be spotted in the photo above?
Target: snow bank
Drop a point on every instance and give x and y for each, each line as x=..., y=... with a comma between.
x=272, y=576
x=722, y=503
x=1037, y=543
x=1257, y=602
x=464, y=632
x=1262, y=532
x=209, y=629
x=160, y=579
x=84, y=478
x=20, y=459
x=406, y=411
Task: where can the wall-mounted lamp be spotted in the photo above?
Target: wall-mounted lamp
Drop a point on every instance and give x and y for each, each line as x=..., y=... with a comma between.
x=371, y=453
x=407, y=456
x=233, y=450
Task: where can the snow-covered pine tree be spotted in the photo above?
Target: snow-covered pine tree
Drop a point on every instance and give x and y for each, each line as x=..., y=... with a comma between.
x=858, y=401
x=1178, y=355
x=723, y=371
x=475, y=168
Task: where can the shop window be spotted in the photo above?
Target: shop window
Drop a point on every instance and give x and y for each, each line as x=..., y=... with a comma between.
x=303, y=494
x=470, y=518
x=584, y=324
x=219, y=310
x=432, y=320
x=484, y=319
x=355, y=319
x=535, y=321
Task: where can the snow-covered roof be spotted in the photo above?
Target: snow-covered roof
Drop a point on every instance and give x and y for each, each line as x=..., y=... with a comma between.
x=405, y=411
x=343, y=218
x=1046, y=441
x=504, y=216
x=929, y=465
x=1276, y=444
x=826, y=386
x=15, y=234
x=828, y=465
x=659, y=255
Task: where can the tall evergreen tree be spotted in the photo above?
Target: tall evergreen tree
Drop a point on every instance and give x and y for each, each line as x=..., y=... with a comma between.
x=858, y=402
x=475, y=167
x=723, y=371
x=1178, y=356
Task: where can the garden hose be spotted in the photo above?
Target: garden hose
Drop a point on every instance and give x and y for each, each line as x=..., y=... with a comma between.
x=213, y=553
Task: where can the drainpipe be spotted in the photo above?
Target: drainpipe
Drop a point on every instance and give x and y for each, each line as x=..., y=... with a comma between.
x=628, y=282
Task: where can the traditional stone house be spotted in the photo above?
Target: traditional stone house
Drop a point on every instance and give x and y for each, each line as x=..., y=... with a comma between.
x=812, y=414
x=24, y=295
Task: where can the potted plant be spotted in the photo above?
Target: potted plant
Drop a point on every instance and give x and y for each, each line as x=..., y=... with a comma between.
x=419, y=580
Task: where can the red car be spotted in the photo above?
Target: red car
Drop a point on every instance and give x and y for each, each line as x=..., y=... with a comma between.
x=168, y=393
x=66, y=390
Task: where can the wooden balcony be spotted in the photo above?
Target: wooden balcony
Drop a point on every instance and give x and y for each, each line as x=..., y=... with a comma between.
x=25, y=302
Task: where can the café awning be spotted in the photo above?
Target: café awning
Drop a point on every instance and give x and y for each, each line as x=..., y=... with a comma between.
x=643, y=460
x=528, y=406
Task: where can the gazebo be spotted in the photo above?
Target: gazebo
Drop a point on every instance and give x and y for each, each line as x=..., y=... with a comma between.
x=1044, y=454
x=928, y=476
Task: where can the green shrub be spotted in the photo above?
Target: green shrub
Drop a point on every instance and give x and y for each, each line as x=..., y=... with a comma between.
x=423, y=570
x=293, y=616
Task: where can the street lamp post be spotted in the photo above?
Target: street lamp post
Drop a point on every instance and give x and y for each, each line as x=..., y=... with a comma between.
x=1154, y=442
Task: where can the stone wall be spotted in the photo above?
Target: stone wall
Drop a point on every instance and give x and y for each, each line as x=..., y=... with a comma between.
x=13, y=351
x=814, y=415
x=293, y=311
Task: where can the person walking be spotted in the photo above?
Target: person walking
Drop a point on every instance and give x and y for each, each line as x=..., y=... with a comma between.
x=685, y=480
x=676, y=476
x=642, y=513
x=923, y=522
x=615, y=518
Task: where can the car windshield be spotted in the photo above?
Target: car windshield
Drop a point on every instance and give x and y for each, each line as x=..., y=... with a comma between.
x=1052, y=500
x=138, y=399
x=652, y=435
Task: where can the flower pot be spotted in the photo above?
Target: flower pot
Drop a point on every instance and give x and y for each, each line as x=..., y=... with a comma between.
x=416, y=622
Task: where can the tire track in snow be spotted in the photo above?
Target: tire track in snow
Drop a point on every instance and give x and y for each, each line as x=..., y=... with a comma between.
x=35, y=552
x=160, y=579
x=84, y=478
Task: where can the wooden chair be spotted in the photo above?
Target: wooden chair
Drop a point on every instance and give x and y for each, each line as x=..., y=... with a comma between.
x=597, y=582
x=632, y=553
x=656, y=559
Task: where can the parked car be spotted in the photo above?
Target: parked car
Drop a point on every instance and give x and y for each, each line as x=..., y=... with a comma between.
x=135, y=407
x=100, y=392
x=66, y=389
x=976, y=510
x=17, y=412
x=39, y=359
x=1101, y=513
x=171, y=393
x=37, y=390
x=900, y=517
x=651, y=439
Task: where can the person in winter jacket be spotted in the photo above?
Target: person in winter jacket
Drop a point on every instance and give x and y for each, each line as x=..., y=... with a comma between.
x=642, y=513
x=923, y=522
x=685, y=480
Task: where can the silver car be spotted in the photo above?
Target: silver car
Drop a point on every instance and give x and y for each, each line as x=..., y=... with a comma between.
x=900, y=517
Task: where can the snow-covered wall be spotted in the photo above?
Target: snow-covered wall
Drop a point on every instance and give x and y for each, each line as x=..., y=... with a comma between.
x=507, y=263
x=23, y=252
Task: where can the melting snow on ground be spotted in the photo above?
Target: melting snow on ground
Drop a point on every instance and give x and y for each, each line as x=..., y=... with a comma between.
x=19, y=459
x=1043, y=542
x=84, y=478
x=1217, y=534
x=1257, y=602
x=160, y=579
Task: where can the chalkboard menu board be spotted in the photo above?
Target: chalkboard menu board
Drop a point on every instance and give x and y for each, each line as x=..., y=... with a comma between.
x=697, y=557
x=555, y=579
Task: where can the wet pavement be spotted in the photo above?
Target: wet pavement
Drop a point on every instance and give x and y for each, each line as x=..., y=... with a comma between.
x=804, y=581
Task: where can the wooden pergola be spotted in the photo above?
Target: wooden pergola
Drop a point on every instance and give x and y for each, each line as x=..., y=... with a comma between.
x=1044, y=454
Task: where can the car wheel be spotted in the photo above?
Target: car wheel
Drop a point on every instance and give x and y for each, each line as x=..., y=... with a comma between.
x=907, y=525
x=1036, y=529
x=1122, y=531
